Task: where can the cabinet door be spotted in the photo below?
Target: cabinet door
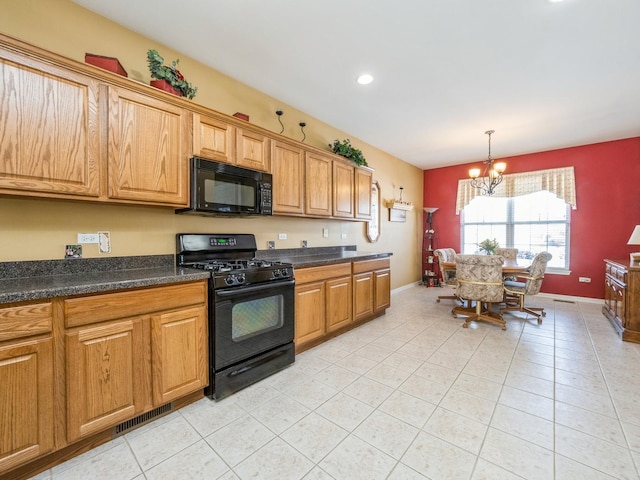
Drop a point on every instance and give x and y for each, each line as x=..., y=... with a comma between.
x=49, y=129
x=339, y=295
x=147, y=150
x=382, y=281
x=252, y=150
x=310, y=312
x=213, y=138
x=288, y=181
x=318, y=185
x=106, y=376
x=179, y=353
x=362, y=295
x=363, y=182
x=343, y=175
x=26, y=401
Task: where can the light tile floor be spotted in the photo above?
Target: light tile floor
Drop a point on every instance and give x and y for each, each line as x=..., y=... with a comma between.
x=412, y=395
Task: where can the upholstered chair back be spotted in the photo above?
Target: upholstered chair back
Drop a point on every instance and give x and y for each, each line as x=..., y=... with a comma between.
x=508, y=253
x=446, y=255
x=479, y=277
x=536, y=273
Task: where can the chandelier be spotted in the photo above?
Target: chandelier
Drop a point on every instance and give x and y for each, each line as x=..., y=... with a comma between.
x=492, y=175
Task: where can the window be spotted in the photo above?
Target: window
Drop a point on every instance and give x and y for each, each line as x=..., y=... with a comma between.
x=532, y=223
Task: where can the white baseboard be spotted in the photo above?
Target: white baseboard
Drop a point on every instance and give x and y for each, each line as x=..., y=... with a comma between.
x=555, y=296
x=571, y=298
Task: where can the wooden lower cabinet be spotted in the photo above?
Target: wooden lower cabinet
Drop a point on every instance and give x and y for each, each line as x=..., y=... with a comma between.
x=310, y=312
x=106, y=380
x=338, y=302
x=371, y=287
x=26, y=401
x=179, y=346
x=72, y=368
x=331, y=299
x=363, y=295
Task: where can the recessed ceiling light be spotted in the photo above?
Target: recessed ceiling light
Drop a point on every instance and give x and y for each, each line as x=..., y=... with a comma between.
x=364, y=79
x=554, y=1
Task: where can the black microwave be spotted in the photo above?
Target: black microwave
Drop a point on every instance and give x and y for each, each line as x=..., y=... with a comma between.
x=223, y=189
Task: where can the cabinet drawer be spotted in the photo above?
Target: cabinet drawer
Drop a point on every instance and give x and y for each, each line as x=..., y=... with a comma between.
x=25, y=320
x=617, y=273
x=315, y=274
x=111, y=306
x=370, y=265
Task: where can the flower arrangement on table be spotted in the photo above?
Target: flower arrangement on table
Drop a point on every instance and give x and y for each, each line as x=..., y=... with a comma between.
x=489, y=246
x=170, y=74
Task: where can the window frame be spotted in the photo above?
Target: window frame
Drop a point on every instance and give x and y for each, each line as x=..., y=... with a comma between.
x=511, y=222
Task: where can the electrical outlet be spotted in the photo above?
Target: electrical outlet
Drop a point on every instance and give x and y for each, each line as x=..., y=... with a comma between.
x=271, y=244
x=343, y=236
x=87, y=238
x=282, y=236
x=303, y=243
x=584, y=280
x=104, y=243
x=325, y=232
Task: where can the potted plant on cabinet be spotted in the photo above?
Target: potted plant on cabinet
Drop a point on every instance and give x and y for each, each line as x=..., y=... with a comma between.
x=169, y=78
x=348, y=151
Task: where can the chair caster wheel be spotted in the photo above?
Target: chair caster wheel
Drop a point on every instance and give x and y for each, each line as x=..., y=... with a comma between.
x=539, y=321
x=504, y=327
x=544, y=314
x=437, y=300
x=465, y=325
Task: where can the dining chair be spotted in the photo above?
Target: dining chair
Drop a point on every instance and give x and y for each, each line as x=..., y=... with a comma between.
x=479, y=279
x=531, y=286
x=448, y=276
x=508, y=253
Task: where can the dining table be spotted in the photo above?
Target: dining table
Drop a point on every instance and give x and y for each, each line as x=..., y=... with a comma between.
x=509, y=267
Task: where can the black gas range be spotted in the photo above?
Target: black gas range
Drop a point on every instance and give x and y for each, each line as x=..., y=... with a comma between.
x=251, y=309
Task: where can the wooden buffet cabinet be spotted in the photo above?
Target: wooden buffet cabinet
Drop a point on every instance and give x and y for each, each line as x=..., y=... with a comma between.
x=622, y=298
x=73, y=368
x=332, y=299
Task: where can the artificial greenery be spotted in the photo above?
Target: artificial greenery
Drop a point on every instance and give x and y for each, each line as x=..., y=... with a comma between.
x=489, y=246
x=169, y=73
x=346, y=150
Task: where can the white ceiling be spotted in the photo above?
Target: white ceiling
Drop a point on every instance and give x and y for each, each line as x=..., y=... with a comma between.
x=543, y=75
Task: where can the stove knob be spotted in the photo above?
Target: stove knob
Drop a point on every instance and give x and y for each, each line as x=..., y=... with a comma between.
x=285, y=273
x=230, y=280
x=276, y=273
x=241, y=278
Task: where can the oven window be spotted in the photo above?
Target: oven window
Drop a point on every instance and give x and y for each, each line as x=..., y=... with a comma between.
x=257, y=316
x=229, y=192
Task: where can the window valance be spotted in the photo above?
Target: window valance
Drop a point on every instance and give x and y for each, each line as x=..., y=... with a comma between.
x=559, y=181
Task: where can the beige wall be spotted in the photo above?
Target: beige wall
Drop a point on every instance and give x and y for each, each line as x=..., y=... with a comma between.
x=39, y=229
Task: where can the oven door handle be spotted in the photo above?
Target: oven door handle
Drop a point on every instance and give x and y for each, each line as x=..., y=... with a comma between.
x=235, y=291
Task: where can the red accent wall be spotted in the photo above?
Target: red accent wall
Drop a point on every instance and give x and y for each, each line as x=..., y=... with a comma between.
x=608, y=207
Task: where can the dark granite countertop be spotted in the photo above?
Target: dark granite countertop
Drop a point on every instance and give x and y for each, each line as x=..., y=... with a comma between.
x=318, y=256
x=37, y=279
x=34, y=280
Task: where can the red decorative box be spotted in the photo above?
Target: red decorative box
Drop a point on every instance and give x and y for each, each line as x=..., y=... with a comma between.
x=241, y=116
x=108, y=63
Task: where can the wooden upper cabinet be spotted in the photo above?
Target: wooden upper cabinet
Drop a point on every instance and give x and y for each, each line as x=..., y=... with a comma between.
x=147, y=149
x=318, y=183
x=343, y=187
x=363, y=181
x=288, y=178
x=213, y=139
x=49, y=129
x=252, y=150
